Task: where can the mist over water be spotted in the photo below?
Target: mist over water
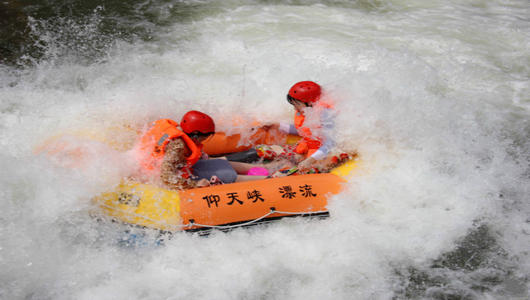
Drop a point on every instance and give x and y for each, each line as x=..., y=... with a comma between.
x=434, y=96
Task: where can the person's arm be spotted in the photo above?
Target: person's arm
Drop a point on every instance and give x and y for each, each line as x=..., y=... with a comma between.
x=324, y=150
x=327, y=125
x=288, y=128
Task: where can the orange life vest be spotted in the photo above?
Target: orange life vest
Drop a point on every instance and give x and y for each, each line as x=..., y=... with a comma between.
x=309, y=144
x=153, y=145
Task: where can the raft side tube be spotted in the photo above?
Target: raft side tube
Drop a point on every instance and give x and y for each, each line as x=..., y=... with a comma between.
x=157, y=208
x=142, y=205
x=245, y=201
x=223, y=205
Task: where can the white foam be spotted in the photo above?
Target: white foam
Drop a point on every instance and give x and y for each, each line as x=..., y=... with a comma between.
x=432, y=109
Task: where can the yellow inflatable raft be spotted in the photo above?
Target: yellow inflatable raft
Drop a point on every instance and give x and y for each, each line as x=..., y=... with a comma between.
x=222, y=206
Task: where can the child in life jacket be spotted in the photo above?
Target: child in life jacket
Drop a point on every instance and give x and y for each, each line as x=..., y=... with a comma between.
x=313, y=122
x=316, y=142
x=168, y=150
x=173, y=153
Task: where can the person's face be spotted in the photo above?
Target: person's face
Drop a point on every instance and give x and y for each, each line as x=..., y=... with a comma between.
x=298, y=105
x=200, y=138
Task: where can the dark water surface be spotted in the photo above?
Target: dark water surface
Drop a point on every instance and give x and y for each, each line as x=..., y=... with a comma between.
x=85, y=29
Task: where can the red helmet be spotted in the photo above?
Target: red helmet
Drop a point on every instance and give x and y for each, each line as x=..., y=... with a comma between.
x=305, y=91
x=194, y=121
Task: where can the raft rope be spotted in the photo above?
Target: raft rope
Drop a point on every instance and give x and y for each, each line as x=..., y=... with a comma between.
x=272, y=211
x=192, y=224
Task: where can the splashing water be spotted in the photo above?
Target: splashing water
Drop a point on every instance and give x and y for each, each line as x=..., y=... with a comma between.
x=434, y=96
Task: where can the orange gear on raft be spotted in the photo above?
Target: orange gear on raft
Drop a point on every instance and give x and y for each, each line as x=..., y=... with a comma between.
x=154, y=141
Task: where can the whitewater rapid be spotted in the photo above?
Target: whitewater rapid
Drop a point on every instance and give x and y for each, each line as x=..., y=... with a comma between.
x=434, y=97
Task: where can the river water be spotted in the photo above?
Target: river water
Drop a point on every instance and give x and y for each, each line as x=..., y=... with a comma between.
x=434, y=96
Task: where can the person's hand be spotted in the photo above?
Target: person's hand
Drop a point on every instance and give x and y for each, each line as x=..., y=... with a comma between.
x=203, y=183
x=306, y=164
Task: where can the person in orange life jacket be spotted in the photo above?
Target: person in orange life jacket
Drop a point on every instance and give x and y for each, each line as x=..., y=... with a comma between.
x=176, y=154
x=316, y=143
x=171, y=151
